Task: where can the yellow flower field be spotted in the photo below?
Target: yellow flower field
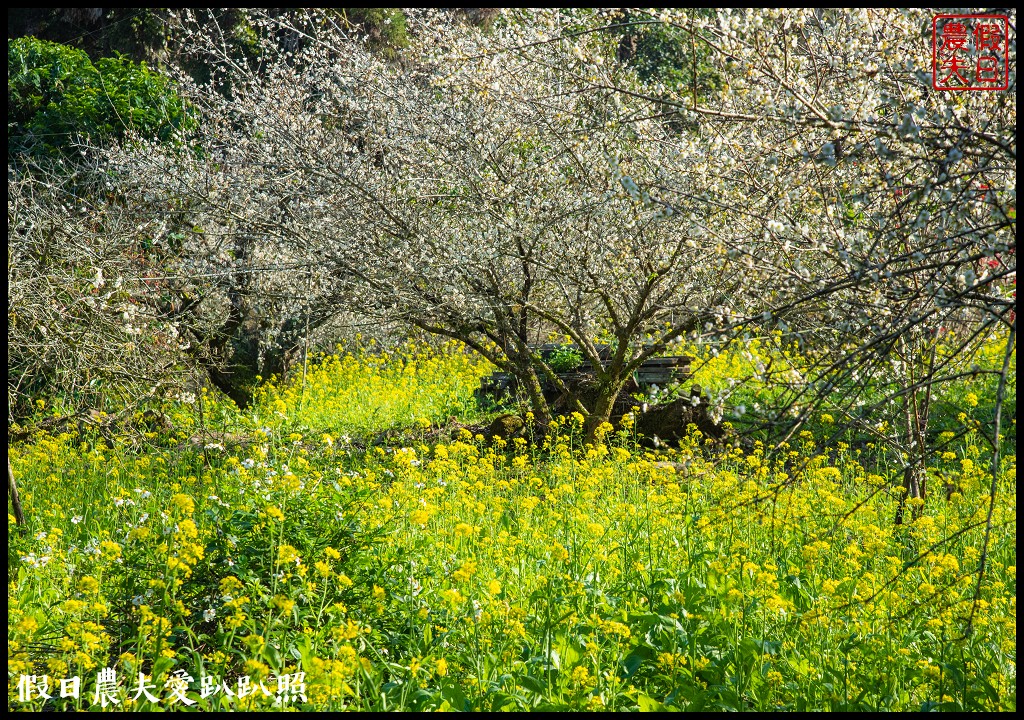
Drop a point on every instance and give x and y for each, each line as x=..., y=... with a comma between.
x=302, y=569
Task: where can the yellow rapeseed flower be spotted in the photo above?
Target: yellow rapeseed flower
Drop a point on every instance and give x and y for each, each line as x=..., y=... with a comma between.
x=283, y=603
x=182, y=503
x=419, y=516
x=88, y=585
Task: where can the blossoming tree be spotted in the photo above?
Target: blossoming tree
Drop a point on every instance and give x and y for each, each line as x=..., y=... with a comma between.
x=486, y=200
x=498, y=186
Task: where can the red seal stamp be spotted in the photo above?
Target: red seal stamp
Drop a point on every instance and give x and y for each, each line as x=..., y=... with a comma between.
x=970, y=52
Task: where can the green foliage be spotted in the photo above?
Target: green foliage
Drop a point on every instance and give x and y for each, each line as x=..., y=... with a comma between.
x=55, y=94
x=664, y=54
x=733, y=371
x=385, y=28
x=140, y=33
x=565, y=358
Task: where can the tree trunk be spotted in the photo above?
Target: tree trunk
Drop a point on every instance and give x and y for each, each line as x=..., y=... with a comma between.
x=538, y=402
x=915, y=417
x=601, y=412
x=12, y=489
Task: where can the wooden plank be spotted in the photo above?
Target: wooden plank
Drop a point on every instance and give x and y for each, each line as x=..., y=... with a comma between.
x=670, y=361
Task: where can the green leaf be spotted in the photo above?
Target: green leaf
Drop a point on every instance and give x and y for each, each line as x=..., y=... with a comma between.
x=532, y=684
x=453, y=693
x=649, y=704
x=556, y=659
x=632, y=662
x=273, y=656
x=161, y=667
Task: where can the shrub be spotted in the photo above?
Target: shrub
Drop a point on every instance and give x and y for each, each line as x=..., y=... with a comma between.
x=56, y=93
x=565, y=359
